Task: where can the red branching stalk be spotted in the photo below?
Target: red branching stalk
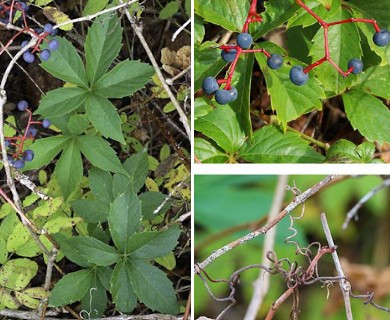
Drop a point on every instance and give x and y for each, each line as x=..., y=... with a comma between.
x=24, y=30
x=326, y=26
x=253, y=16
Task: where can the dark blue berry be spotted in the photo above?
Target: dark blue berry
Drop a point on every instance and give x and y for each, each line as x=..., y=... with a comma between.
x=226, y=96
x=244, y=40
x=54, y=45
x=22, y=105
x=54, y=32
x=24, y=6
x=356, y=64
x=38, y=30
x=28, y=155
x=46, y=123
x=381, y=38
x=32, y=132
x=48, y=28
x=19, y=164
x=45, y=55
x=7, y=143
x=28, y=57
x=229, y=55
x=297, y=76
x=210, y=85
x=275, y=61
x=24, y=43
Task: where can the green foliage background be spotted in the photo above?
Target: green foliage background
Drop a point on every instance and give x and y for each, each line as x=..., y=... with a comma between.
x=224, y=201
x=362, y=95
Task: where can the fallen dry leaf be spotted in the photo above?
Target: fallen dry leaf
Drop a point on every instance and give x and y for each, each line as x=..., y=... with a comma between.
x=174, y=62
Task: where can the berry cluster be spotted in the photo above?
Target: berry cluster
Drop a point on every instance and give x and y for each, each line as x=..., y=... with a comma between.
x=15, y=144
x=45, y=54
x=8, y=12
x=231, y=54
x=299, y=75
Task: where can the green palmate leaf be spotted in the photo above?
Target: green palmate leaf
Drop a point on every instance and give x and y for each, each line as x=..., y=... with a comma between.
x=121, y=288
x=152, y=287
x=104, y=275
x=202, y=106
x=16, y=274
x=137, y=167
x=229, y=14
x=72, y=287
x=69, y=169
x=124, y=219
x=92, y=211
x=3, y=251
x=168, y=261
x=379, y=10
x=45, y=150
x=368, y=30
x=223, y=127
x=277, y=12
x=26, y=300
x=270, y=145
x=375, y=81
x=242, y=79
x=344, y=151
x=208, y=152
x=326, y=3
x=8, y=224
x=77, y=124
x=368, y=115
x=102, y=45
x=104, y=117
x=207, y=62
x=7, y=300
x=94, y=6
x=61, y=101
x=18, y=237
x=344, y=44
x=95, y=300
x=94, y=251
x=99, y=153
x=65, y=64
x=198, y=29
x=70, y=253
x=304, y=19
x=57, y=224
x=150, y=201
x=9, y=126
x=29, y=249
x=149, y=245
x=169, y=10
x=100, y=182
x=121, y=184
x=289, y=100
x=124, y=79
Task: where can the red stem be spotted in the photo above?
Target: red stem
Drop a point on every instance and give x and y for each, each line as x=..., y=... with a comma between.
x=326, y=26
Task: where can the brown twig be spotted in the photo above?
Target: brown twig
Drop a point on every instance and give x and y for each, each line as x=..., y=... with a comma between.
x=297, y=201
x=307, y=275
